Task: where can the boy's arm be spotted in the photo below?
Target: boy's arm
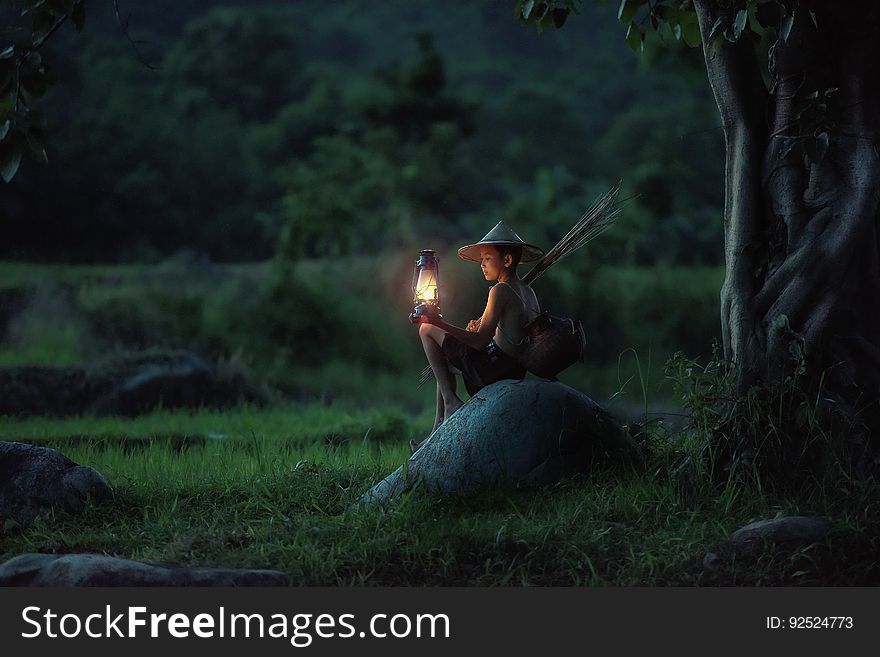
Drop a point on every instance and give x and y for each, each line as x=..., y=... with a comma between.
x=491, y=316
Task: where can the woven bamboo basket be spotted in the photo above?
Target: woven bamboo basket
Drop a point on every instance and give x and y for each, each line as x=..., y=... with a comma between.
x=555, y=343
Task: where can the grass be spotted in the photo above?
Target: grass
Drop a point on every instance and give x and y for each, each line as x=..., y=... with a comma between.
x=274, y=492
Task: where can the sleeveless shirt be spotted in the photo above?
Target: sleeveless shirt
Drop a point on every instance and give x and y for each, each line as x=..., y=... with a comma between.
x=520, y=346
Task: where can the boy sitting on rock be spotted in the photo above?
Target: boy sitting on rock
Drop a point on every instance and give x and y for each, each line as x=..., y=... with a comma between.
x=490, y=348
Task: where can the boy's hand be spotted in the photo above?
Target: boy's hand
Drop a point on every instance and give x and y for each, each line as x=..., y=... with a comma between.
x=427, y=318
x=474, y=325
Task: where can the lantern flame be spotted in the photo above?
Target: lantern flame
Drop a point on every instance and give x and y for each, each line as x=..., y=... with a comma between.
x=426, y=287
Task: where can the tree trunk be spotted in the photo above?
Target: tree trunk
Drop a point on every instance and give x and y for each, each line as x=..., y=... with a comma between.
x=802, y=248
x=801, y=240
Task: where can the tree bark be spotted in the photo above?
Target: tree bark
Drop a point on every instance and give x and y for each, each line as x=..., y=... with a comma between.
x=802, y=248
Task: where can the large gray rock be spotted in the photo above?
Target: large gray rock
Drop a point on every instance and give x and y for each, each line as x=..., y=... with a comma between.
x=102, y=570
x=37, y=478
x=528, y=433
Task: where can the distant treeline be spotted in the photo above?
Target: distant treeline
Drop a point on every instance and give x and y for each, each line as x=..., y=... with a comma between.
x=327, y=129
x=339, y=327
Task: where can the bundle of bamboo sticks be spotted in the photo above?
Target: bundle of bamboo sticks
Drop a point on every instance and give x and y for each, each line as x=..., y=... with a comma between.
x=595, y=221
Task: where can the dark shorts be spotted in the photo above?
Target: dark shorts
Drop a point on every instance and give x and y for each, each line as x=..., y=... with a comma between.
x=480, y=367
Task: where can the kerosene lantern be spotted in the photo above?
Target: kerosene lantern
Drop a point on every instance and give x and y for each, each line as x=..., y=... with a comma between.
x=426, y=286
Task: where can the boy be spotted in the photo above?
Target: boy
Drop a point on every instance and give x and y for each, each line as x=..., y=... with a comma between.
x=490, y=348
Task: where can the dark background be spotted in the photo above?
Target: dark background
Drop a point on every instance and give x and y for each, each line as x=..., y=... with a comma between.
x=262, y=174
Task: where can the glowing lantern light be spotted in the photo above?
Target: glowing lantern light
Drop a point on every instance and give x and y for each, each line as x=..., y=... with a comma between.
x=426, y=286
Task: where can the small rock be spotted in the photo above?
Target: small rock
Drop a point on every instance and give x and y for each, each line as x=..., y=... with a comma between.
x=102, y=570
x=802, y=530
x=710, y=561
x=36, y=478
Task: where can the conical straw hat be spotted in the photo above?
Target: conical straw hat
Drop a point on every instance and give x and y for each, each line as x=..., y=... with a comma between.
x=502, y=234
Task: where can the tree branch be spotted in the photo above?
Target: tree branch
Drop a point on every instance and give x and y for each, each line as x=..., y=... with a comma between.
x=123, y=25
x=48, y=34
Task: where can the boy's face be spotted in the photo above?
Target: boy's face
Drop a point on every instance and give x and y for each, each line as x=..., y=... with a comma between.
x=491, y=262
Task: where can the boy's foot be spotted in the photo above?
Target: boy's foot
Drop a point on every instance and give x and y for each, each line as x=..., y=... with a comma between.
x=413, y=445
x=454, y=406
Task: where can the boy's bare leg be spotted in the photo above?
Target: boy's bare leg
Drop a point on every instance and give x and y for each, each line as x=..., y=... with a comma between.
x=432, y=338
x=439, y=414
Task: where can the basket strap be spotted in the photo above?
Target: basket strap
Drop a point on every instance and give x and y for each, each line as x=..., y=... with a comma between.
x=522, y=301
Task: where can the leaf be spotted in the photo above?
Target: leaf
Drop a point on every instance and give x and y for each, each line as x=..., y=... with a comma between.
x=716, y=26
x=10, y=159
x=36, y=146
x=79, y=15
x=690, y=34
x=34, y=59
x=768, y=14
x=35, y=84
x=50, y=75
x=43, y=23
x=546, y=19
x=560, y=15
x=4, y=129
x=785, y=30
x=635, y=38
x=739, y=23
x=7, y=100
x=813, y=16
x=60, y=7
x=627, y=10
x=753, y=22
x=35, y=119
x=528, y=5
x=7, y=53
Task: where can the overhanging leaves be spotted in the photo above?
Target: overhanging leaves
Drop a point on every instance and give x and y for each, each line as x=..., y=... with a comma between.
x=24, y=78
x=10, y=159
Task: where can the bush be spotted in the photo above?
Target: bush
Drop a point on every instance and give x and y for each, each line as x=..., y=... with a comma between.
x=784, y=436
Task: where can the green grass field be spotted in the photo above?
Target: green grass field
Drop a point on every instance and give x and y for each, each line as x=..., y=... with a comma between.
x=271, y=489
